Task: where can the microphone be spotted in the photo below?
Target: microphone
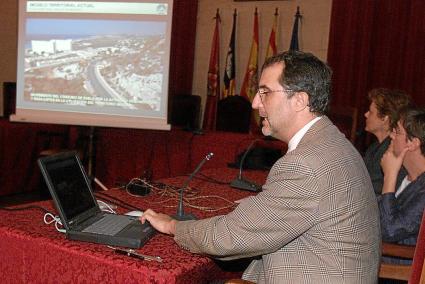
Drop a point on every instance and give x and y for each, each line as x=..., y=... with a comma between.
x=242, y=183
x=180, y=215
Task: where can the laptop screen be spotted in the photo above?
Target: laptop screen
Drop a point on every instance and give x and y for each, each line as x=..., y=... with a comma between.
x=70, y=185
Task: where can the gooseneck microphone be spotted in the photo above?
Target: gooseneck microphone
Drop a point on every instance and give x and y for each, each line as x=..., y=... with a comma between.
x=240, y=182
x=180, y=215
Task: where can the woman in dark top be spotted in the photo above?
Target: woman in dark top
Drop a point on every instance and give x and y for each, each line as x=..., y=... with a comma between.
x=381, y=117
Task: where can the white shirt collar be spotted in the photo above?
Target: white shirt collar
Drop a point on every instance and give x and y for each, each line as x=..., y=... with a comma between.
x=402, y=186
x=293, y=143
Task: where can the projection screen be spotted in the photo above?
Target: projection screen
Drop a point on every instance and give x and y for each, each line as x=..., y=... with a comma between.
x=94, y=63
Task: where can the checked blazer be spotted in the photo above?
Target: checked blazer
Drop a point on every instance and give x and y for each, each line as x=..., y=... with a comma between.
x=316, y=220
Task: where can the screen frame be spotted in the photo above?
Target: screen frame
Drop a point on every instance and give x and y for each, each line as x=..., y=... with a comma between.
x=72, y=117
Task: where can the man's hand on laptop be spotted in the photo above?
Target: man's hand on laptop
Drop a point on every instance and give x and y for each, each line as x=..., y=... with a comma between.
x=161, y=222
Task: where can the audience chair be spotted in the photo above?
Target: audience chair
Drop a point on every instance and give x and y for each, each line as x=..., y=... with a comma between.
x=412, y=273
x=234, y=114
x=185, y=110
x=345, y=118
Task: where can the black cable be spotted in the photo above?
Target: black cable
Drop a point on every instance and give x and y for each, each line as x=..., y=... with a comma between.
x=26, y=208
x=207, y=179
x=159, y=185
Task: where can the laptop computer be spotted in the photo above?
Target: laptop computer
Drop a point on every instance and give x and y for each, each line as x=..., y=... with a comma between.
x=78, y=208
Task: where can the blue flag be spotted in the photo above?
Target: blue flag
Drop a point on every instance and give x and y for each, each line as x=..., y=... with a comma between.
x=294, y=38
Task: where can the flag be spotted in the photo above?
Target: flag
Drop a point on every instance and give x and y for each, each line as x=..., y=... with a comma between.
x=272, y=49
x=294, y=39
x=213, y=83
x=229, y=68
x=249, y=85
x=250, y=82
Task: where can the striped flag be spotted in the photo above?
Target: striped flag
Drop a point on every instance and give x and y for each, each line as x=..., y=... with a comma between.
x=213, y=84
x=272, y=48
x=294, y=38
x=249, y=85
x=250, y=82
x=229, y=70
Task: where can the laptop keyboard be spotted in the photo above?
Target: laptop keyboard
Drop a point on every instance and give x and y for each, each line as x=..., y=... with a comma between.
x=109, y=225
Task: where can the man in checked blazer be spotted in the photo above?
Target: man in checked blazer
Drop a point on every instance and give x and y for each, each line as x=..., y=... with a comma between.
x=316, y=220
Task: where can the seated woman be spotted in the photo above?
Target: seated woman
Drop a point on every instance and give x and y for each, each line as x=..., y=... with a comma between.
x=401, y=208
x=380, y=119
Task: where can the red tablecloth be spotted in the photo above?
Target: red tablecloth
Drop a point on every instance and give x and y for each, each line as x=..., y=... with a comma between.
x=33, y=252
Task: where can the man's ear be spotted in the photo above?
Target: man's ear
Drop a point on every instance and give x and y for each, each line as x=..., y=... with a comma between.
x=414, y=144
x=301, y=100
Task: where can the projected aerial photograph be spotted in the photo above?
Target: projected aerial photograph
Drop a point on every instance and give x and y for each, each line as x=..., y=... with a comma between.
x=108, y=64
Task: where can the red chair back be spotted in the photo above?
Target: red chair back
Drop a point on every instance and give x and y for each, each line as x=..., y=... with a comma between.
x=418, y=258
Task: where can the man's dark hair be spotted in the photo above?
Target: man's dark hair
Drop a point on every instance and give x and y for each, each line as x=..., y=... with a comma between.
x=413, y=121
x=304, y=72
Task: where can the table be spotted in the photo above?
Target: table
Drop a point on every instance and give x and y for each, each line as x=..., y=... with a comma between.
x=33, y=252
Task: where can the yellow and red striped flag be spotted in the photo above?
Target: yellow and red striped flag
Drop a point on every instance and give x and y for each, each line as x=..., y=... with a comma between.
x=272, y=48
x=250, y=82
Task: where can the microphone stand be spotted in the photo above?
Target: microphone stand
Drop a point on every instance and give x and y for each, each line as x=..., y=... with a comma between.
x=242, y=183
x=180, y=215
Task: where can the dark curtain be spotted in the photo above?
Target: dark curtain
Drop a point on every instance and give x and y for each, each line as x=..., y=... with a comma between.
x=182, y=52
x=377, y=43
x=183, y=46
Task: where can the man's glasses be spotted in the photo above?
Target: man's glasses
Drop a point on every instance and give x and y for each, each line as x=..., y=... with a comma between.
x=264, y=92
